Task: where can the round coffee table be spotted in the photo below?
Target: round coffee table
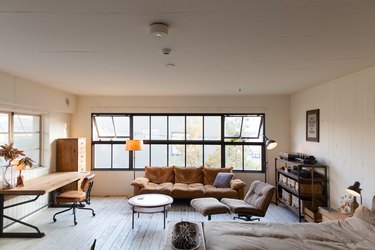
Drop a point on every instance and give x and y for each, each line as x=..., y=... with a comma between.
x=150, y=203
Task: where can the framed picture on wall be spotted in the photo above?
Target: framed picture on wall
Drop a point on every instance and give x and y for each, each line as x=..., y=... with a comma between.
x=312, y=125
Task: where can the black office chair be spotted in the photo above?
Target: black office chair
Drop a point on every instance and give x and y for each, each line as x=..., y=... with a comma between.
x=77, y=197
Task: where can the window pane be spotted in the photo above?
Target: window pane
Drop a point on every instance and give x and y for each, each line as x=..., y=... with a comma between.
x=122, y=124
x=212, y=127
x=4, y=129
x=212, y=155
x=158, y=128
x=4, y=139
x=177, y=155
x=232, y=126
x=4, y=123
x=194, y=127
x=102, y=156
x=194, y=155
x=26, y=141
x=159, y=155
x=120, y=156
x=105, y=126
x=233, y=156
x=26, y=123
x=142, y=158
x=141, y=127
x=253, y=159
x=251, y=125
x=176, y=128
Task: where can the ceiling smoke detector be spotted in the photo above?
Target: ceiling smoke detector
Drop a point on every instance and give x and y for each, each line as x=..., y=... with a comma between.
x=159, y=29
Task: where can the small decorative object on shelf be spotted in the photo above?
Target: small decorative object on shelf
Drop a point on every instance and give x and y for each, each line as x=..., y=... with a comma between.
x=348, y=205
x=185, y=235
x=10, y=154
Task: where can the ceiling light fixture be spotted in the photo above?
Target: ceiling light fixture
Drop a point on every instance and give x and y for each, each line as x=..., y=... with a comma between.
x=159, y=29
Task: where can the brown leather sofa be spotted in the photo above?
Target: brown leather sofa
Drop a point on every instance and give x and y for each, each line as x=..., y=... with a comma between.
x=189, y=182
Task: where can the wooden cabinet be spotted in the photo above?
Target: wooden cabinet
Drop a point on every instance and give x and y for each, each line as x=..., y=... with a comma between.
x=300, y=186
x=71, y=156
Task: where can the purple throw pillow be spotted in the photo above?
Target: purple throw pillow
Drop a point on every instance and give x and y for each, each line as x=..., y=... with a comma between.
x=222, y=180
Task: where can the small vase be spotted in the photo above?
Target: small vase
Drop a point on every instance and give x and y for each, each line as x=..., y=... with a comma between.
x=9, y=177
x=19, y=180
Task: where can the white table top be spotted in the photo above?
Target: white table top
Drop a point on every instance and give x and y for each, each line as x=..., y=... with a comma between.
x=150, y=200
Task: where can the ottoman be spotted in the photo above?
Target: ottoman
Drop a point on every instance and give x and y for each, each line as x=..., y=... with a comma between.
x=209, y=206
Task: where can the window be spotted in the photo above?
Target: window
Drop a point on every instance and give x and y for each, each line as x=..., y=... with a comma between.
x=215, y=140
x=24, y=131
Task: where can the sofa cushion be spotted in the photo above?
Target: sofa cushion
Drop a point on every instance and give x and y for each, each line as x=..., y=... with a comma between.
x=222, y=180
x=188, y=175
x=209, y=174
x=237, y=184
x=163, y=188
x=211, y=191
x=159, y=174
x=183, y=190
x=140, y=182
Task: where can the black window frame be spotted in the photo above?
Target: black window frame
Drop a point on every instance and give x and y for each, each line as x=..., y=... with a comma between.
x=222, y=142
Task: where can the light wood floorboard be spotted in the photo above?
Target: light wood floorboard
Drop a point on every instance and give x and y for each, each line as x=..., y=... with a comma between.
x=111, y=226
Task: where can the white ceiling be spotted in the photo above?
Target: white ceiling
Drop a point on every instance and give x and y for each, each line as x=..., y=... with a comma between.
x=103, y=47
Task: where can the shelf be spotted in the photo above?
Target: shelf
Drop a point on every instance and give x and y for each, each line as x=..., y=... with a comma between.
x=293, y=209
x=319, y=177
x=316, y=165
x=302, y=196
x=301, y=179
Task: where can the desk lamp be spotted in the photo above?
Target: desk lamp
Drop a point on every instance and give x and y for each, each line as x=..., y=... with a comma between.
x=355, y=191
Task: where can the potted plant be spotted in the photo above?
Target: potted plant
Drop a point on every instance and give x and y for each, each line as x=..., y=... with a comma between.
x=10, y=154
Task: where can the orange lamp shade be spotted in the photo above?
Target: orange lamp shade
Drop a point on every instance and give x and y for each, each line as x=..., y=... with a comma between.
x=134, y=145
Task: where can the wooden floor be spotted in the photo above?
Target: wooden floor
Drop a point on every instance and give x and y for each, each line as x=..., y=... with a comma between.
x=112, y=226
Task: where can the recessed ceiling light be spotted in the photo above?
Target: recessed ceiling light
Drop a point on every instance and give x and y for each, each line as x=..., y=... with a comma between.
x=169, y=65
x=159, y=29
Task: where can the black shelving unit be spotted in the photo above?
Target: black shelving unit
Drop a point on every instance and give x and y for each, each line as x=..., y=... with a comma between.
x=318, y=177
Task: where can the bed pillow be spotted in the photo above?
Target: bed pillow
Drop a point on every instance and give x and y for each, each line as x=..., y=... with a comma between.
x=365, y=214
x=222, y=180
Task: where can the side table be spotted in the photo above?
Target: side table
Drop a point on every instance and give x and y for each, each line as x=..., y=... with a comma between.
x=331, y=214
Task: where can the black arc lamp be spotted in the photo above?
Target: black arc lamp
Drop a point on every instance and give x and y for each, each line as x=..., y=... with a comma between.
x=269, y=144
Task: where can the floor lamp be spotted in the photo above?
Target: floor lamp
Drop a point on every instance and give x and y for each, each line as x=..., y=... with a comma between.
x=270, y=144
x=134, y=145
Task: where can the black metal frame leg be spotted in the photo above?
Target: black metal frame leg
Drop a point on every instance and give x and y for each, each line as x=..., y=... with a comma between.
x=3, y=234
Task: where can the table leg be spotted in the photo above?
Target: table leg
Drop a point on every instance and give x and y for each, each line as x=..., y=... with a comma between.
x=133, y=218
x=38, y=234
x=164, y=216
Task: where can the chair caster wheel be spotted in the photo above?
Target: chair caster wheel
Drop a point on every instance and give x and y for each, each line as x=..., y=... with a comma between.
x=75, y=223
x=93, y=214
x=54, y=220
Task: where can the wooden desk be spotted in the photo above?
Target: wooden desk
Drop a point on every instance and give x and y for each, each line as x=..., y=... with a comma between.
x=37, y=186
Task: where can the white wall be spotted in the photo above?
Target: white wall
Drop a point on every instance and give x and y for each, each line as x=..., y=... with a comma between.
x=347, y=131
x=276, y=108
x=20, y=95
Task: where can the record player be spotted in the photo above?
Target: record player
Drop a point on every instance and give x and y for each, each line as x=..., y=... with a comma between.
x=289, y=156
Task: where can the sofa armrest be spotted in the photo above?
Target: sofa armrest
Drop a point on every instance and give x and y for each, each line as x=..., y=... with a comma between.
x=237, y=184
x=140, y=182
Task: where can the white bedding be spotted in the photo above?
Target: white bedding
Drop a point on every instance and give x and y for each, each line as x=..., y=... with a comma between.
x=352, y=233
